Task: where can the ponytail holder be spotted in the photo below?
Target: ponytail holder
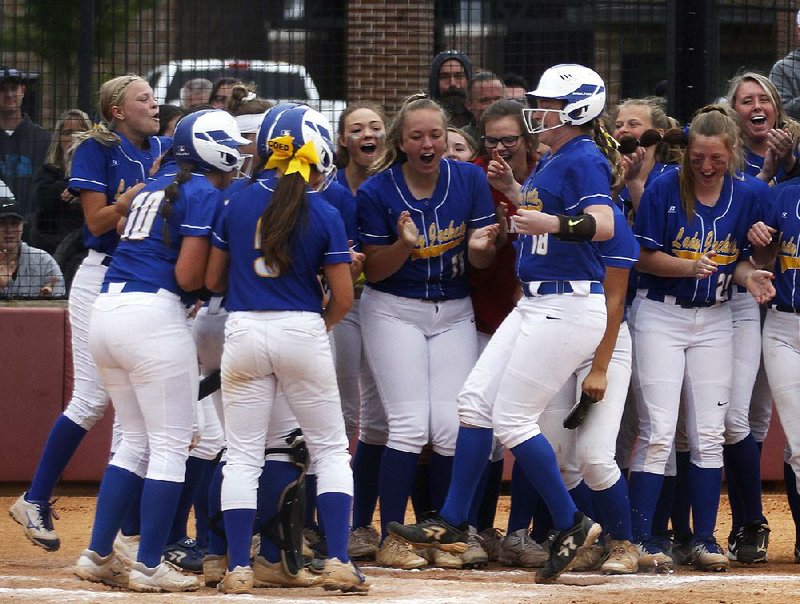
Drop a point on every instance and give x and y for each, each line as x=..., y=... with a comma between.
x=610, y=140
x=289, y=161
x=251, y=96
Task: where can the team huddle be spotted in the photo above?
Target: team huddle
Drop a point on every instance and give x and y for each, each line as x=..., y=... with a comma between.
x=595, y=303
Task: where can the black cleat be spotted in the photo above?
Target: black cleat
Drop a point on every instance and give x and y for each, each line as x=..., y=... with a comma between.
x=432, y=532
x=749, y=544
x=566, y=545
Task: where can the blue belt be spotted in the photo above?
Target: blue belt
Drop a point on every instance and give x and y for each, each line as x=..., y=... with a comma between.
x=545, y=288
x=682, y=302
x=130, y=287
x=784, y=308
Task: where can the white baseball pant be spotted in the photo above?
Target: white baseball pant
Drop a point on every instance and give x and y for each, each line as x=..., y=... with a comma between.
x=361, y=406
x=673, y=347
x=528, y=360
x=420, y=353
x=588, y=452
x=147, y=359
x=261, y=350
x=746, y=345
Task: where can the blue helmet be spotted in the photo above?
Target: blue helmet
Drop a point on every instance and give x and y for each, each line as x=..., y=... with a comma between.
x=209, y=140
x=304, y=125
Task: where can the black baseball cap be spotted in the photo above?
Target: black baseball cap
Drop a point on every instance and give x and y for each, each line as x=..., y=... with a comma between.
x=9, y=73
x=8, y=204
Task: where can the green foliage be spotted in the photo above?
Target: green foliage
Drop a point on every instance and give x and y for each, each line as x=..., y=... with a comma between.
x=51, y=28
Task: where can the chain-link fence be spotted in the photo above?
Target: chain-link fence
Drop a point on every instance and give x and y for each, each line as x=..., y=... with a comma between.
x=330, y=52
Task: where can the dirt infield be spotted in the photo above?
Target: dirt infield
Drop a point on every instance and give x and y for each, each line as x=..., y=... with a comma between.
x=29, y=574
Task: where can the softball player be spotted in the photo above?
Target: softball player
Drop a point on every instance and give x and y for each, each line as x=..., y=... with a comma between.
x=692, y=228
x=564, y=206
x=422, y=220
x=586, y=454
x=781, y=328
x=274, y=333
x=768, y=136
x=108, y=161
x=145, y=354
x=361, y=139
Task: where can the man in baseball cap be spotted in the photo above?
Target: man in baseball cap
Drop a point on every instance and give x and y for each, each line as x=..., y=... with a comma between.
x=25, y=272
x=23, y=144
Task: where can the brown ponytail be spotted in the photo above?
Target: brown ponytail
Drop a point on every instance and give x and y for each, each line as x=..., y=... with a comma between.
x=281, y=220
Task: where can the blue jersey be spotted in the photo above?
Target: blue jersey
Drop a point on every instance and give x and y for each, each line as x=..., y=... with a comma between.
x=753, y=164
x=252, y=283
x=143, y=255
x=622, y=250
x=340, y=197
x=623, y=199
x=437, y=266
x=784, y=215
x=111, y=170
x=566, y=182
x=661, y=224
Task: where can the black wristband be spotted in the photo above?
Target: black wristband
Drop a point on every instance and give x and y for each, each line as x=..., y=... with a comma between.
x=576, y=228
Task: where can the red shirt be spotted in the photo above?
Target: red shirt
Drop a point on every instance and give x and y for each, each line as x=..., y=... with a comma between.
x=493, y=289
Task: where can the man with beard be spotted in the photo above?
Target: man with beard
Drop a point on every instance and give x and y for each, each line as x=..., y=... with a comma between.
x=451, y=71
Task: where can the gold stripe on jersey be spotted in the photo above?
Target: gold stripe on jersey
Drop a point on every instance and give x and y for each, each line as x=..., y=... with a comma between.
x=432, y=251
x=531, y=201
x=692, y=247
x=789, y=263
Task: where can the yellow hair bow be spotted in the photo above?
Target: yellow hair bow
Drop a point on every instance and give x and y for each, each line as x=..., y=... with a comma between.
x=287, y=160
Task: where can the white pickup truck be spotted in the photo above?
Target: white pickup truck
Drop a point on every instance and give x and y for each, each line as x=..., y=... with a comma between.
x=274, y=80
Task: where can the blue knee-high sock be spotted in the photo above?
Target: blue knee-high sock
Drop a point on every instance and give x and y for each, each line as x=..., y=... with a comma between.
x=681, y=503
x=473, y=447
x=663, y=512
x=760, y=445
x=491, y=495
x=421, y=491
x=542, y=521
x=366, y=468
x=644, y=489
x=395, y=484
x=477, y=499
x=538, y=461
x=64, y=438
x=201, y=505
x=704, y=490
x=273, y=480
x=159, y=503
x=790, y=480
x=743, y=462
x=616, y=506
x=734, y=492
x=194, y=473
x=132, y=521
x=439, y=473
x=239, y=529
x=311, y=501
x=114, y=497
x=524, y=498
x=336, y=509
x=582, y=496
x=217, y=541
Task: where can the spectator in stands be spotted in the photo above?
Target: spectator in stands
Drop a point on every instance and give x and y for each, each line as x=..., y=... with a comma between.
x=25, y=272
x=58, y=211
x=23, y=144
x=516, y=88
x=483, y=89
x=195, y=92
x=785, y=74
x=221, y=92
x=451, y=71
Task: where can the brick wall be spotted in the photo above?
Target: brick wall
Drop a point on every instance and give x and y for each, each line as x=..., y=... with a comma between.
x=389, y=49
